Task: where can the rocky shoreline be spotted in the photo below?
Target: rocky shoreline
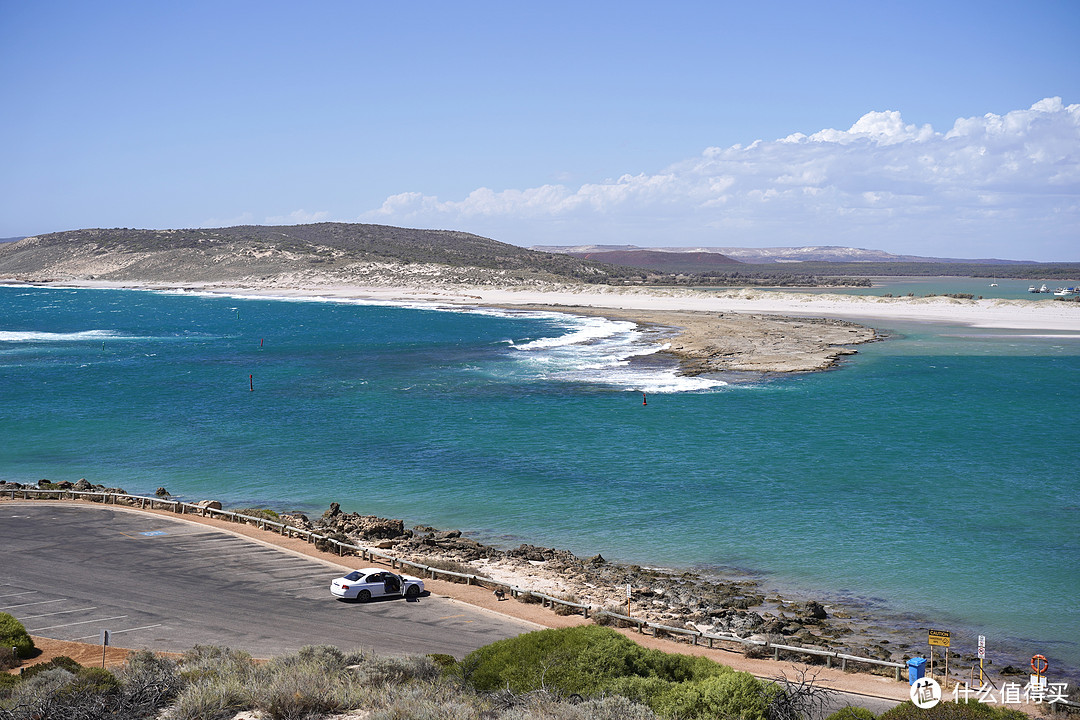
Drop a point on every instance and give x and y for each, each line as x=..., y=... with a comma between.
x=709, y=342
x=689, y=599
x=675, y=598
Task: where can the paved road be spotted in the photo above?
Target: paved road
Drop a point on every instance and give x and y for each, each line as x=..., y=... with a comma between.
x=67, y=572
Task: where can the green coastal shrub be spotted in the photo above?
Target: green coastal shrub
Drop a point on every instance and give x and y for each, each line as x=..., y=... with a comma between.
x=971, y=710
x=592, y=661
x=262, y=513
x=60, y=661
x=733, y=696
x=55, y=692
x=7, y=682
x=852, y=712
x=14, y=635
x=92, y=681
x=442, y=660
x=571, y=660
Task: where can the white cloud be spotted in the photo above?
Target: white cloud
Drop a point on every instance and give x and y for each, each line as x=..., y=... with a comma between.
x=996, y=184
x=884, y=128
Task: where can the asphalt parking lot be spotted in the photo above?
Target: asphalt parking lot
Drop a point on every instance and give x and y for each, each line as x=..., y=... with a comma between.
x=68, y=572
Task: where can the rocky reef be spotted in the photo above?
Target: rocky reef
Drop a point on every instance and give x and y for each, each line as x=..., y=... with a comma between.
x=677, y=599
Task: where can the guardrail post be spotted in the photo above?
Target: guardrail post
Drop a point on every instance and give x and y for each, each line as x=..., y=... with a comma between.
x=515, y=592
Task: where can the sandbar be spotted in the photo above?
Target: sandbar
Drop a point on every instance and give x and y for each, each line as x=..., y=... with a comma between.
x=706, y=330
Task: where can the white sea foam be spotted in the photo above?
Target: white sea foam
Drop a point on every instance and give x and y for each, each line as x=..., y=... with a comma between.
x=588, y=331
x=601, y=351
x=591, y=350
x=15, y=336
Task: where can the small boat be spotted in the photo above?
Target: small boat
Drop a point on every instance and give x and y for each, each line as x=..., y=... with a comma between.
x=1062, y=292
x=1033, y=289
x=1044, y=289
x=993, y=284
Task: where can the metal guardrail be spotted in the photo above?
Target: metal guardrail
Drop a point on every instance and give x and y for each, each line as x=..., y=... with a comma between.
x=694, y=636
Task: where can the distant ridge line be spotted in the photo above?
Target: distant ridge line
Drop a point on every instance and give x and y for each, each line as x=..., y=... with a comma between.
x=792, y=254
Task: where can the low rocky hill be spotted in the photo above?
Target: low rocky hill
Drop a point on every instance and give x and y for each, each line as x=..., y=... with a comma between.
x=661, y=261
x=322, y=252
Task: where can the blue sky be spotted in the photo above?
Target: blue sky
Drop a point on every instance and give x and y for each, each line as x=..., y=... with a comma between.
x=934, y=128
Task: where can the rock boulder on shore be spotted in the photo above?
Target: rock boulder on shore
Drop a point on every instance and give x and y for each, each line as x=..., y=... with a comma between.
x=365, y=527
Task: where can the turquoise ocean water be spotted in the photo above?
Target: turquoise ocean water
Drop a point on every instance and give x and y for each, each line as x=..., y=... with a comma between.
x=933, y=477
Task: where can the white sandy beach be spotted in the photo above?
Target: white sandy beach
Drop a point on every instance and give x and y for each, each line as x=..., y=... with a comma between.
x=1032, y=315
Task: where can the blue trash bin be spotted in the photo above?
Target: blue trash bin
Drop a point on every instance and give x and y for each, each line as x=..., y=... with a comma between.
x=916, y=669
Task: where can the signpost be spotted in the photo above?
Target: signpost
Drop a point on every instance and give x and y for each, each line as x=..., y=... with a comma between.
x=628, y=593
x=982, y=656
x=105, y=637
x=940, y=638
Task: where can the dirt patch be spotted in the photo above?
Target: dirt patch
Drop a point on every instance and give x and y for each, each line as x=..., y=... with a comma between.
x=82, y=653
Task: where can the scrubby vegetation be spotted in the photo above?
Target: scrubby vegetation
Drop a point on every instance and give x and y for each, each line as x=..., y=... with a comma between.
x=223, y=254
x=592, y=661
x=263, y=513
x=452, y=566
x=326, y=246
x=971, y=710
x=581, y=673
x=64, y=689
x=331, y=249
x=759, y=276
x=14, y=635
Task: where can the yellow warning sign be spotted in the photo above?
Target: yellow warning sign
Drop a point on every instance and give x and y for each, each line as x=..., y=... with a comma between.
x=939, y=638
